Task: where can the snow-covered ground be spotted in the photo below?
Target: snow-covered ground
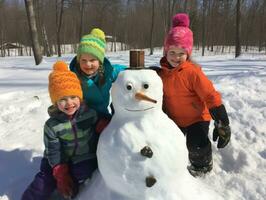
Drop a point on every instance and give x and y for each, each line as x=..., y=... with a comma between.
x=239, y=169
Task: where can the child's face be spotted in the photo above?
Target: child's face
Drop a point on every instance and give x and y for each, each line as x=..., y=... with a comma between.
x=175, y=56
x=69, y=104
x=89, y=64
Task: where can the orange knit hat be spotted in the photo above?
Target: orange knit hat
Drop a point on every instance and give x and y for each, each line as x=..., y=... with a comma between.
x=63, y=82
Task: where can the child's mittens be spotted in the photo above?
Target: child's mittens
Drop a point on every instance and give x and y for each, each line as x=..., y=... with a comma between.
x=222, y=130
x=101, y=124
x=65, y=184
x=222, y=133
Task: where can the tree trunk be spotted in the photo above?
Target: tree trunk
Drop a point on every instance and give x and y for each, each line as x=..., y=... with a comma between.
x=238, y=16
x=41, y=16
x=226, y=16
x=33, y=32
x=172, y=11
x=115, y=43
x=168, y=19
x=46, y=43
x=59, y=18
x=152, y=25
x=2, y=30
x=2, y=43
x=262, y=26
x=164, y=14
x=203, y=39
x=81, y=18
x=185, y=6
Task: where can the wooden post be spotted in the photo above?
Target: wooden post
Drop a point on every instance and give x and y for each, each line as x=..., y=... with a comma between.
x=136, y=58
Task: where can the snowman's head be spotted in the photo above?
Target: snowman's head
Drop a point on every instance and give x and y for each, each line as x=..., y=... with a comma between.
x=137, y=92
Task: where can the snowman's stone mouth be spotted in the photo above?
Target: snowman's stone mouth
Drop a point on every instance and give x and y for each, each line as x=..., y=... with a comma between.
x=139, y=110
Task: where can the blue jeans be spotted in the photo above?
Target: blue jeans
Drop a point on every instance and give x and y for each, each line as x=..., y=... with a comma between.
x=44, y=184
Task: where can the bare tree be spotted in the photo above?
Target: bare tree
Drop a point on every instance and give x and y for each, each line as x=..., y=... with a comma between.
x=2, y=28
x=152, y=25
x=167, y=10
x=226, y=17
x=47, y=48
x=262, y=25
x=185, y=7
x=118, y=17
x=82, y=8
x=253, y=10
x=237, y=41
x=33, y=32
x=41, y=16
x=203, y=39
x=2, y=42
x=59, y=18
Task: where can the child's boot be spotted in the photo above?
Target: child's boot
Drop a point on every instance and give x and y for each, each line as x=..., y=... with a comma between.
x=201, y=161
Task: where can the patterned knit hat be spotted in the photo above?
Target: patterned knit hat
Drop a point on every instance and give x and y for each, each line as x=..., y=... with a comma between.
x=180, y=35
x=93, y=43
x=63, y=82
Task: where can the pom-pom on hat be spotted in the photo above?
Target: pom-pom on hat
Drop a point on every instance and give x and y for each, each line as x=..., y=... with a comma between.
x=94, y=44
x=63, y=82
x=180, y=35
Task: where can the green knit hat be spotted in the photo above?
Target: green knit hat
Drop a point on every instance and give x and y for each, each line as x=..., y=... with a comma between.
x=93, y=43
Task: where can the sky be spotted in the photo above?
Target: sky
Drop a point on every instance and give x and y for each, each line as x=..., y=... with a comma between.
x=239, y=169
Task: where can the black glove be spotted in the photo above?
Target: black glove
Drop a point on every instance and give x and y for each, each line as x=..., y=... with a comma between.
x=223, y=133
x=221, y=126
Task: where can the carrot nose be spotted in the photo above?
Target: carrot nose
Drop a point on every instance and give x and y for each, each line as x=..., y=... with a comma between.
x=143, y=97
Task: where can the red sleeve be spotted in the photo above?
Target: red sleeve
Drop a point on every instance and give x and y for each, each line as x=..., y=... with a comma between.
x=101, y=124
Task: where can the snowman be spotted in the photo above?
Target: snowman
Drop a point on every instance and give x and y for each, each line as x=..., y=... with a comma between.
x=142, y=154
x=141, y=147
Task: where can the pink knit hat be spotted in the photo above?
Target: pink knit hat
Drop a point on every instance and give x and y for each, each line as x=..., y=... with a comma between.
x=180, y=35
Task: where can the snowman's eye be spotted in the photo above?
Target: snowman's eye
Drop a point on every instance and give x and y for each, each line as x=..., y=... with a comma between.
x=129, y=86
x=146, y=86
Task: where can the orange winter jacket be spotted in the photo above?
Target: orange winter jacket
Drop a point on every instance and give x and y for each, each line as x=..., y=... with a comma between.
x=187, y=93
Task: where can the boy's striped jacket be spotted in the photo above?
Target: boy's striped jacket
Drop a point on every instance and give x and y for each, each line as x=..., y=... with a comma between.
x=70, y=140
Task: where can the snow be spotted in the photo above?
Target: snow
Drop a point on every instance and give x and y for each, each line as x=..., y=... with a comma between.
x=239, y=169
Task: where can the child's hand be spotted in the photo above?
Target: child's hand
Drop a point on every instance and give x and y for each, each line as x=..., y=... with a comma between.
x=221, y=126
x=223, y=133
x=101, y=124
x=65, y=184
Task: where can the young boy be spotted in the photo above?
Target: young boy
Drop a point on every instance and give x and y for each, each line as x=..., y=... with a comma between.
x=70, y=139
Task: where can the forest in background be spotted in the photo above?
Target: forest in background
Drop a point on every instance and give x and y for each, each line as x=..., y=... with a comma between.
x=135, y=23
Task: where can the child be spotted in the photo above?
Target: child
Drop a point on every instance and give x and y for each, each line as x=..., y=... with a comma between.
x=94, y=71
x=190, y=99
x=69, y=137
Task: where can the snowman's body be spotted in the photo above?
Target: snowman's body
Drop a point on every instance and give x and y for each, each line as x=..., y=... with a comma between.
x=138, y=123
